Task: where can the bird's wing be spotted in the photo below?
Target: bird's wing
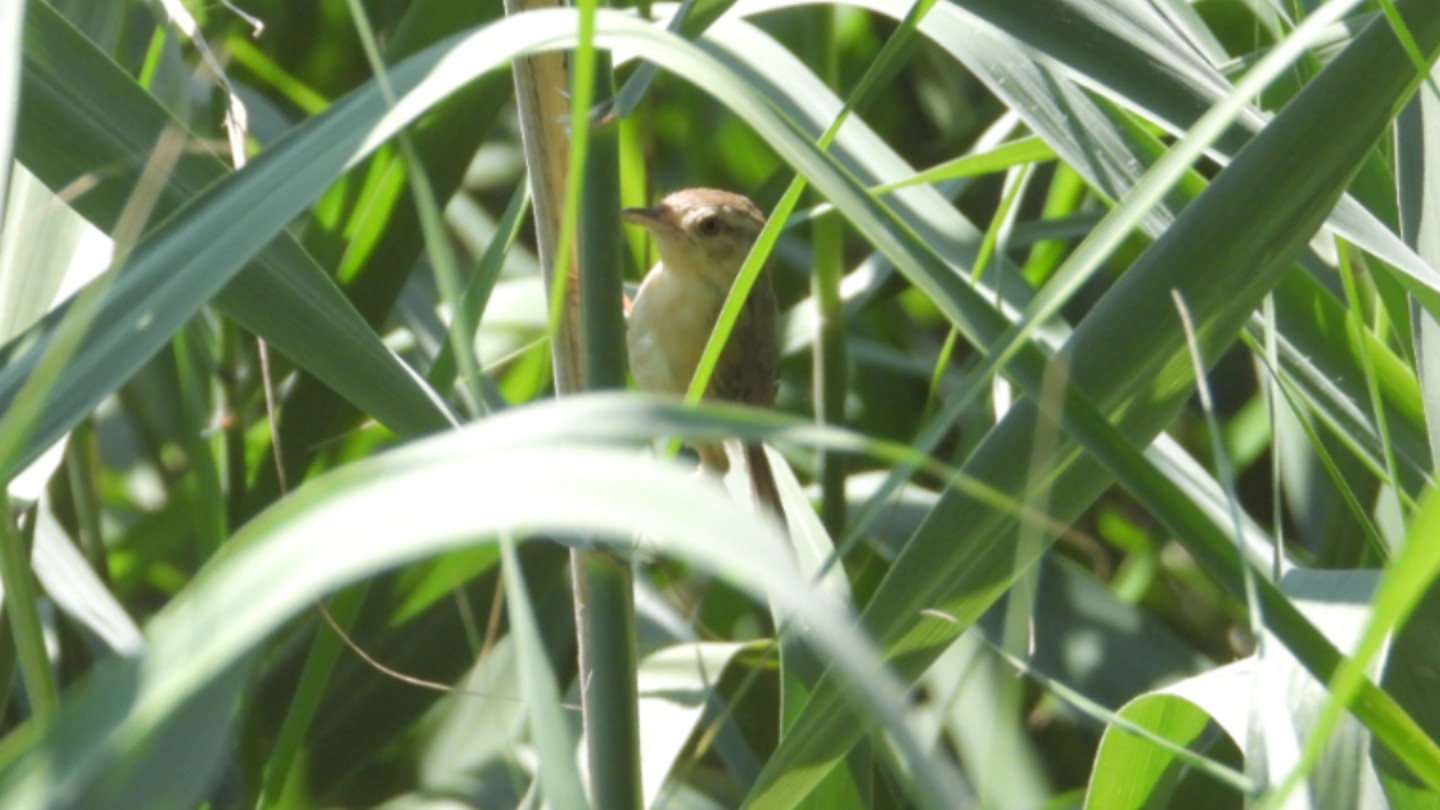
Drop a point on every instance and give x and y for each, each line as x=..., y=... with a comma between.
x=749, y=368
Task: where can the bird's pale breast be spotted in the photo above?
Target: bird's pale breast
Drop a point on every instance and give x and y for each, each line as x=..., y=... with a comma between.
x=668, y=328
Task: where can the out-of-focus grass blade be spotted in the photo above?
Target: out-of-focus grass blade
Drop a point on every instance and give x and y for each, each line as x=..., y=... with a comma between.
x=1025, y=150
x=343, y=527
x=691, y=20
x=193, y=359
x=1402, y=32
x=675, y=684
x=452, y=754
x=1413, y=650
x=246, y=54
x=454, y=759
x=427, y=208
x=559, y=775
x=305, y=699
x=1190, y=25
x=69, y=580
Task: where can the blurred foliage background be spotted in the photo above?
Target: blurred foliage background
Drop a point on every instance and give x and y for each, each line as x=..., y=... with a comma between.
x=168, y=650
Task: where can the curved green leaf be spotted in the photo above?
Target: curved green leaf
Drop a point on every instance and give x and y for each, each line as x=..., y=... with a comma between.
x=343, y=527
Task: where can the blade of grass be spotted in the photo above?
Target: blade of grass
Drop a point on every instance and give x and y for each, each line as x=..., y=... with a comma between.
x=22, y=616
x=477, y=294
x=12, y=23
x=559, y=777
x=437, y=242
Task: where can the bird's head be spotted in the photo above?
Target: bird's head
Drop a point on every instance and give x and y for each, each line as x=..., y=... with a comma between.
x=701, y=231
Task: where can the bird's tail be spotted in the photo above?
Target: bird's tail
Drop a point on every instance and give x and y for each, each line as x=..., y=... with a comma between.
x=762, y=481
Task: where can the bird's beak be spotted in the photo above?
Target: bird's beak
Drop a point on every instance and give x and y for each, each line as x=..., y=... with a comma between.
x=651, y=219
x=644, y=217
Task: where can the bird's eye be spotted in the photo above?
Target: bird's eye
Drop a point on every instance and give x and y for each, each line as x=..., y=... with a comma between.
x=709, y=226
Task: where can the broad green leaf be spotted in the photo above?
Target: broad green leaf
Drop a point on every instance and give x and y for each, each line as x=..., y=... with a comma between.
x=1132, y=772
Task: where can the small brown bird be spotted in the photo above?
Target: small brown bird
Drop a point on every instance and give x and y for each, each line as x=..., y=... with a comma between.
x=703, y=236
